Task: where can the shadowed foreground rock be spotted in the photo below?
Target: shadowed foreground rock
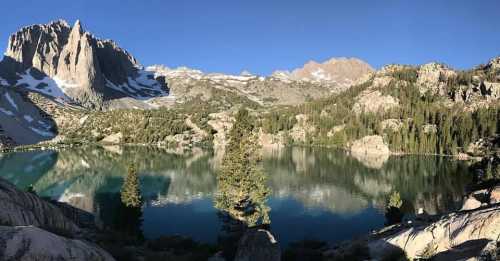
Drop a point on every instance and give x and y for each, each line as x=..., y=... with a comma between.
x=25, y=222
x=19, y=208
x=258, y=244
x=32, y=243
x=447, y=236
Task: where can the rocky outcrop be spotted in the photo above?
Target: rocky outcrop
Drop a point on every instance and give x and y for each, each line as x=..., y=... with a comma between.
x=28, y=243
x=391, y=124
x=371, y=151
x=432, y=78
x=258, y=244
x=449, y=237
x=20, y=208
x=373, y=102
x=68, y=63
x=374, y=145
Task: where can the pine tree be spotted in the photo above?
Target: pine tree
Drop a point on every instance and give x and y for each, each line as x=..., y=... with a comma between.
x=242, y=189
x=130, y=192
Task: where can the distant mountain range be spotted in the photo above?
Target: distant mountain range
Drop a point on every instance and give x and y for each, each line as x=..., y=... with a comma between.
x=53, y=73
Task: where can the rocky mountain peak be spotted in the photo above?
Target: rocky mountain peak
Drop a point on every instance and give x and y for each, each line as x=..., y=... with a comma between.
x=340, y=71
x=70, y=63
x=78, y=27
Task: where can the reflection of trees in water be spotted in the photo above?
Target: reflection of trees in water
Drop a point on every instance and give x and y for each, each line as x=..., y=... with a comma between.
x=317, y=177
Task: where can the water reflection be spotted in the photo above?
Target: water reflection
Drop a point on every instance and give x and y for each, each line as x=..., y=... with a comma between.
x=323, y=194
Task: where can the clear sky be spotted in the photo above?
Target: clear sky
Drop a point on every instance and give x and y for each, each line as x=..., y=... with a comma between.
x=264, y=35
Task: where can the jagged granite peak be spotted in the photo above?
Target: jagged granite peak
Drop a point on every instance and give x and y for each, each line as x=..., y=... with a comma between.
x=38, y=46
x=82, y=67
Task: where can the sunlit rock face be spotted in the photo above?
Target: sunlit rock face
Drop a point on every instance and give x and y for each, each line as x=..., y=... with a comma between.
x=344, y=71
x=72, y=65
x=449, y=233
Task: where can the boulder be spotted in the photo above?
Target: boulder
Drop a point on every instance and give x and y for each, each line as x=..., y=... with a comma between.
x=258, y=244
x=471, y=203
x=374, y=145
x=371, y=151
x=114, y=138
x=28, y=243
x=19, y=208
x=445, y=237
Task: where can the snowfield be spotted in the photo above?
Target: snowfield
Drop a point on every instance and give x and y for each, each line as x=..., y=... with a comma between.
x=143, y=87
x=45, y=86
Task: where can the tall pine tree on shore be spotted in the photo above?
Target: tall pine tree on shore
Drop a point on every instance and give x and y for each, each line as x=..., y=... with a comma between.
x=242, y=188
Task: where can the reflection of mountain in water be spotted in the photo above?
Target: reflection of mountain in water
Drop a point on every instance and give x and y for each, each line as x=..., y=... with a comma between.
x=318, y=178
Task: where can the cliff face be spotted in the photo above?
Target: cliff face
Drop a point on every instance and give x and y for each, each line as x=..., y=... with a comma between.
x=71, y=64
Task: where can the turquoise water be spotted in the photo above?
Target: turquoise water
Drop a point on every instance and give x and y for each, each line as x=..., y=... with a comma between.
x=315, y=193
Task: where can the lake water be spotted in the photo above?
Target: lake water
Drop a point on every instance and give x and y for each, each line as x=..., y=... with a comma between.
x=315, y=193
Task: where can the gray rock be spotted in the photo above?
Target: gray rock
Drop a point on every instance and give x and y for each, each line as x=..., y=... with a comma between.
x=28, y=243
x=258, y=244
x=450, y=232
x=19, y=208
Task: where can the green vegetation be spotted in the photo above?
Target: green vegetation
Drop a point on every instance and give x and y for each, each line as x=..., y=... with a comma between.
x=408, y=74
x=131, y=192
x=427, y=124
x=136, y=126
x=279, y=120
x=242, y=189
x=395, y=200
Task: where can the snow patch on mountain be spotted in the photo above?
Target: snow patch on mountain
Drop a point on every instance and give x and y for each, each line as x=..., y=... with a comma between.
x=7, y=112
x=143, y=87
x=11, y=101
x=46, y=86
x=28, y=118
x=41, y=132
x=3, y=81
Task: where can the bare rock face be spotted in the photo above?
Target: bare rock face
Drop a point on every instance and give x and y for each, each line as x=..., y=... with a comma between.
x=58, y=60
x=446, y=238
x=432, y=78
x=28, y=243
x=374, y=101
x=38, y=46
x=343, y=71
x=370, y=145
x=20, y=208
x=258, y=244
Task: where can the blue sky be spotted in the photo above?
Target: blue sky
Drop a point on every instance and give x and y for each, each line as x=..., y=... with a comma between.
x=264, y=35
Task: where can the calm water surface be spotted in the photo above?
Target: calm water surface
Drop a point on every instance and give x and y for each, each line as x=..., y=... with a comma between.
x=316, y=193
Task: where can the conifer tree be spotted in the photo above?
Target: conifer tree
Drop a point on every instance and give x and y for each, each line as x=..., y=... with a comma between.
x=242, y=189
x=130, y=192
